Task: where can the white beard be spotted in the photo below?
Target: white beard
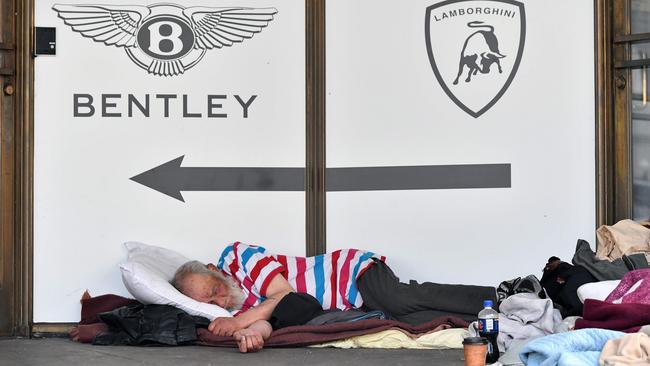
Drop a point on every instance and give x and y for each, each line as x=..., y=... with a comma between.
x=235, y=293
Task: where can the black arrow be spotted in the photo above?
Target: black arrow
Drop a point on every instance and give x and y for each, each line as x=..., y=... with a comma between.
x=170, y=178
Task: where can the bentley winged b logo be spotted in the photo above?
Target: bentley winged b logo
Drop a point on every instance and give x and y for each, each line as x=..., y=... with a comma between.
x=165, y=39
x=475, y=47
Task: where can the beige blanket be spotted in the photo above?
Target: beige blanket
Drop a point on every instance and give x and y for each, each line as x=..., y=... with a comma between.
x=623, y=238
x=631, y=350
x=392, y=338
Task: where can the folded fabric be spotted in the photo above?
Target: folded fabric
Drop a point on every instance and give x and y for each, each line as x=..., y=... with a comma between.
x=627, y=318
x=581, y=347
x=624, y=237
x=343, y=316
x=296, y=336
x=393, y=339
x=606, y=269
x=634, y=288
x=524, y=316
x=306, y=335
x=597, y=290
x=633, y=349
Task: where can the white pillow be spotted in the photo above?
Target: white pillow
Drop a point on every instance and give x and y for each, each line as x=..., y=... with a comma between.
x=146, y=275
x=596, y=290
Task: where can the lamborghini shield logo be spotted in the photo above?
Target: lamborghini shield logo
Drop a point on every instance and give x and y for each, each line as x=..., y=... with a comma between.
x=475, y=47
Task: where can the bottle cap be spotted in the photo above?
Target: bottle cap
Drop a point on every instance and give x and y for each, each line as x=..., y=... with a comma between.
x=487, y=303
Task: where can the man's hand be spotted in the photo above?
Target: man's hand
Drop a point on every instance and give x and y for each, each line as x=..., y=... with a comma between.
x=225, y=327
x=249, y=340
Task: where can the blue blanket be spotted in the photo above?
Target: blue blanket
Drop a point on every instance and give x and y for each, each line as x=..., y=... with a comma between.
x=580, y=347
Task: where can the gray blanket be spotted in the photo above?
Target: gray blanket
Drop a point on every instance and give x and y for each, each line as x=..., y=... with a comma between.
x=524, y=316
x=604, y=270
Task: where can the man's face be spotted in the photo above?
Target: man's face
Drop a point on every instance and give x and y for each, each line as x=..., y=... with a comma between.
x=208, y=289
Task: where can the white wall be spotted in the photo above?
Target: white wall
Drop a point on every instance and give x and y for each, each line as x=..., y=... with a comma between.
x=85, y=204
x=386, y=108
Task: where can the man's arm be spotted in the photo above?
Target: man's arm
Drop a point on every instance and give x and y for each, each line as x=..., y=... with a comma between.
x=252, y=339
x=277, y=289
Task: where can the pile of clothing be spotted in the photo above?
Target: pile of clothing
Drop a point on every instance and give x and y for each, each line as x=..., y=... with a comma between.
x=592, y=311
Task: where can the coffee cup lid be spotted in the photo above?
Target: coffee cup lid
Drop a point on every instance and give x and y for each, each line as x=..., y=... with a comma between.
x=475, y=340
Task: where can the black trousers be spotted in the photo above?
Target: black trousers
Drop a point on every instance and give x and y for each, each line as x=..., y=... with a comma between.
x=417, y=303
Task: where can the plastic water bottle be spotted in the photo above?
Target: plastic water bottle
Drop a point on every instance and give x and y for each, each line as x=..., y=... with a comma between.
x=488, y=327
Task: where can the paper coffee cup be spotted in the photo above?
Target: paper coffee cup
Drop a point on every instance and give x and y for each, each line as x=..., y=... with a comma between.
x=475, y=349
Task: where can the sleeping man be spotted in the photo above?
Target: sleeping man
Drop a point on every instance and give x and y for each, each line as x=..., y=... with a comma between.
x=250, y=282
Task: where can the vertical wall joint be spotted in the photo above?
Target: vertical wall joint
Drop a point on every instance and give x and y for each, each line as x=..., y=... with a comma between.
x=315, y=109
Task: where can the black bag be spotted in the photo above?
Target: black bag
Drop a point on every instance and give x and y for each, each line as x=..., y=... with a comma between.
x=148, y=325
x=561, y=281
x=529, y=284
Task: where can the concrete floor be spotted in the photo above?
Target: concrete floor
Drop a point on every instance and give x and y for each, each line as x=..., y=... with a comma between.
x=59, y=352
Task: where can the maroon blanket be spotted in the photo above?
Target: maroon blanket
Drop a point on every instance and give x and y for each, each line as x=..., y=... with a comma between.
x=296, y=336
x=627, y=318
x=91, y=306
x=304, y=335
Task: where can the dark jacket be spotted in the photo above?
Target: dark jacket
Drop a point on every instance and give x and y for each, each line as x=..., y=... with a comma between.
x=145, y=325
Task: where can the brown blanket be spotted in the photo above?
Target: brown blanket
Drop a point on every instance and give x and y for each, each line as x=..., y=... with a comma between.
x=296, y=336
x=305, y=335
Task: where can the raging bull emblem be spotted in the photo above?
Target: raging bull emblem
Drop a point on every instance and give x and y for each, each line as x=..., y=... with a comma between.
x=165, y=39
x=481, y=47
x=475, y=48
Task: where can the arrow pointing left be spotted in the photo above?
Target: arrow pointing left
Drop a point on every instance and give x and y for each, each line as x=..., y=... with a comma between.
x=170, y=179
